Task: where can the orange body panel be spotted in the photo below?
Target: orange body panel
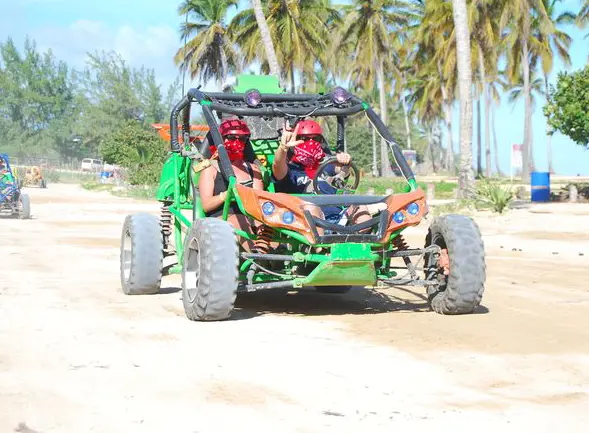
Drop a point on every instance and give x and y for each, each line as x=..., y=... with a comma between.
x=164, y=131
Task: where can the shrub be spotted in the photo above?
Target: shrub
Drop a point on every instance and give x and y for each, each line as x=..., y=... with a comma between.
x=493, y=195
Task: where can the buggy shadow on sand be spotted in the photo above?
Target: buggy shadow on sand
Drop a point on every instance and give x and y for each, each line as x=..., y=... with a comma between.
x=13, y=202
x=214, y=267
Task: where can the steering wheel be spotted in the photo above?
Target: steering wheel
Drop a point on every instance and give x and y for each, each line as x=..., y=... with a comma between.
x=328, y=180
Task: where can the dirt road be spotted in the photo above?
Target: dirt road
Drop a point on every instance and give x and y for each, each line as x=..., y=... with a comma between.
x=76, y=355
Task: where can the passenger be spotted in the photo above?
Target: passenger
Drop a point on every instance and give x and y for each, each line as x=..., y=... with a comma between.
x=6, y=180
x=212, y=185
x=296, y=162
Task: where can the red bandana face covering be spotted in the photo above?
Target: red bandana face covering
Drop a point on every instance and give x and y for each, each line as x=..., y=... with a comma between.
x=309, y=154
x=235, y=149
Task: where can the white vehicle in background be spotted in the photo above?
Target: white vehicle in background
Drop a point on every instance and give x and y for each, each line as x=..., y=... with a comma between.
x=90, y=164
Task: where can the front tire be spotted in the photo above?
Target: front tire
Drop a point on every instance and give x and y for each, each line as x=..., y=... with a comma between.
x=141, y=254
x=461, y=291
x=24, y=211
x=210, y=270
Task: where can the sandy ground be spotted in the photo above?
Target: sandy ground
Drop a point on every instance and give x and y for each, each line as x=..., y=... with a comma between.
x=76, y=355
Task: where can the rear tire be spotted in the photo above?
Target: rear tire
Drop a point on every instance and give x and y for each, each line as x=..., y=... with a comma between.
x=141, y=259
x=462, y=290
x=333, y=289
x=210, y=270
x=24, y=212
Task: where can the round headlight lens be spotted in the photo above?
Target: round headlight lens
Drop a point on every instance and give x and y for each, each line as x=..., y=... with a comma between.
x=288, y=217
x=413, y=209
x=268, y=208
x=398, y=217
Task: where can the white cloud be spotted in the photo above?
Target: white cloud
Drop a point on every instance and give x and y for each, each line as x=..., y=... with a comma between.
x=153, y=47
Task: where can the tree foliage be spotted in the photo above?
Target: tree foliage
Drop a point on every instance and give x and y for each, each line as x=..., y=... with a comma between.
x=567, y=109
x=48, y=109
x=137, y=148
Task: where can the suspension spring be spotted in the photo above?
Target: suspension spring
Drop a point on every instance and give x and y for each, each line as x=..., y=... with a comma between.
x=166, y=223
x=262, y=244
x=400, y=244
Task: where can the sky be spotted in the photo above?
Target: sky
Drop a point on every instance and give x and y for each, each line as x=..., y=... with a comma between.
x=146, y=33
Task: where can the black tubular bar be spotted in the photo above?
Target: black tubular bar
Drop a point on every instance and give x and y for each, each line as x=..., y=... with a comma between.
x=345, y=233
x=384, y=132
x=277, y=257
x=183, y=103
x=269, y=285
x=341, y=134
x=224, y=161
x=269, y=97
x=269, y=110
x=408, y=282
x=406, y=253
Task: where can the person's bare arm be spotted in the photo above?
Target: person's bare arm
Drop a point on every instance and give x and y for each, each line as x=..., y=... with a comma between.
x=287, y=140
x=258, y=181
x=206, y=186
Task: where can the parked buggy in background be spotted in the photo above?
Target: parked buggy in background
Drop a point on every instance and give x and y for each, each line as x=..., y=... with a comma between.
x=312, y=251
x=33, y=177
x=12, y=201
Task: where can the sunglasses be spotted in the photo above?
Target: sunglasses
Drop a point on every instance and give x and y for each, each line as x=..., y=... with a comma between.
x=310, y=137
x=236, y=137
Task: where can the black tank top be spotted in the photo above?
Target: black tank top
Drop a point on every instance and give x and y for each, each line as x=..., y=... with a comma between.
x=221, y=184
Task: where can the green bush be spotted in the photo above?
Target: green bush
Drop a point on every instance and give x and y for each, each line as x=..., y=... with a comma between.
x=493, y=195
x=139, y=149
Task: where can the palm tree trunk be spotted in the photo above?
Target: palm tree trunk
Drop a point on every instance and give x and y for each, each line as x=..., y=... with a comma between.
x=374, y=153
x=527, y=160
x=449, y=139
x=407, y=127
x=385, y=169
x=495, y=148
x=292, y=78
x=487, y=97
x=548, y=133
x=266, y=39
x=479, y=144
x=466, y=177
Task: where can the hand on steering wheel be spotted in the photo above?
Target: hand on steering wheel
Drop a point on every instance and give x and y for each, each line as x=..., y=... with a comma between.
x=337, y=180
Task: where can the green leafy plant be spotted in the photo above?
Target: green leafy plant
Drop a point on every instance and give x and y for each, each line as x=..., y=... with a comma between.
x=567, y=110
x=493, y=195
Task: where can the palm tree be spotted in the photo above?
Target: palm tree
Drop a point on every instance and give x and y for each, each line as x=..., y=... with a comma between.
x=583, y=16
x=516, y=19
x=370, y=27
x=209, y=53
x=466, y=176
x=300, y=31
x=266, y=39
x=549, y=44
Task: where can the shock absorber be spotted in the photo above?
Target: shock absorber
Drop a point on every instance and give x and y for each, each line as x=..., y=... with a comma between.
x=262, y=244
x=401, y=245
x=166, y=223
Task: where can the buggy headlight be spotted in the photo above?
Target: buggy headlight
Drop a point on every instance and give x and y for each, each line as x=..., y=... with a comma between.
x=288, y=217
x=253, y=97
x=398, y=217
x=268, y=208
x=413, y=208
x=339, y=95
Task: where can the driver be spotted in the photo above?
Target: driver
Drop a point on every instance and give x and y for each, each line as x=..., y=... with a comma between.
x=6, y=179
x=296, y=162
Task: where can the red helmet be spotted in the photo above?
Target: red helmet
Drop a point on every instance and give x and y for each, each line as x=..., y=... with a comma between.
x=234, y=127
x=309, y=127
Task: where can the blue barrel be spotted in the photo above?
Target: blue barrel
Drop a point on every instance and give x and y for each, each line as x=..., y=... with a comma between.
x=540, y=186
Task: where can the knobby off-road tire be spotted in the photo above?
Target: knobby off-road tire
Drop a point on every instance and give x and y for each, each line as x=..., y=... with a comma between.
x=24, y=212
x=333, y=289
x=141, y=254
x=463, y=289
x=210, y=270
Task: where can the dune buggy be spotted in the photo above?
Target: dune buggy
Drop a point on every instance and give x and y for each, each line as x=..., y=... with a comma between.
x=311, y=251
x=33, y=177
x=12, y=201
